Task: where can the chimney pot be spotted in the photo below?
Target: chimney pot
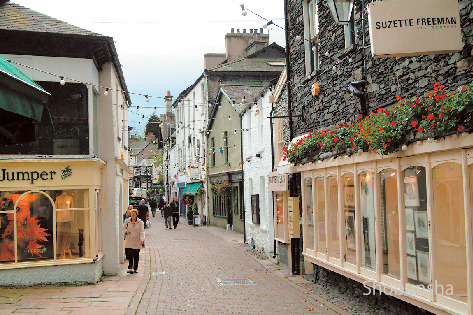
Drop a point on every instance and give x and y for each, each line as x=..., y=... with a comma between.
x=233, y=30
x=244, y=30
x=261, y=30
x=238, y=30
x=169, y=93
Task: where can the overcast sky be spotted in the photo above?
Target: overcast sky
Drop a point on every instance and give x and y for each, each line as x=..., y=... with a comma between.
x=161, y=43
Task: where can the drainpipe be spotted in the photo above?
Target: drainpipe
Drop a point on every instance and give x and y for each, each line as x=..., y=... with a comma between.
x=272, y=169
x=242, y=191
x=288, y=69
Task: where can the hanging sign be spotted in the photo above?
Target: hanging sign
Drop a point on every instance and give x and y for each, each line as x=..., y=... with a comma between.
x=293, y=217
x=411, y=28
x=277, y=182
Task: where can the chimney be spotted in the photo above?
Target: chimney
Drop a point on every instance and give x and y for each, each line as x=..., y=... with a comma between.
x=212, y=60
x=168, y=104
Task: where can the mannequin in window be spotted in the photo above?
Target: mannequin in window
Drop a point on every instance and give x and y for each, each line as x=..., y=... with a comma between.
x=64, y=224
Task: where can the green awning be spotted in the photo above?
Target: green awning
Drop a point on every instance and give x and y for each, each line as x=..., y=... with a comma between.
x=191, y=189
x=19, y=94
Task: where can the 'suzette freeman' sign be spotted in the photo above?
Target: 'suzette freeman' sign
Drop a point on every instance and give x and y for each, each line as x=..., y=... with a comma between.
x=277, y=182
x=410, y=28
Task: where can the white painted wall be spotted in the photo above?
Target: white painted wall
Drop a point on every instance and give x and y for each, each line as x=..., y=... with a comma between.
x=257, y=140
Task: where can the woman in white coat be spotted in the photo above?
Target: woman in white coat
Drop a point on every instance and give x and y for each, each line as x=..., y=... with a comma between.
x=134, y=230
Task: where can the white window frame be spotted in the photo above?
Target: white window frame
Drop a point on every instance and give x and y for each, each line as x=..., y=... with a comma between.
x=311, y=34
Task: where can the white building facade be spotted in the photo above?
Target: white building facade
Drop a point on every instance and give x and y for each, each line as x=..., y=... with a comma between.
x=257, y=157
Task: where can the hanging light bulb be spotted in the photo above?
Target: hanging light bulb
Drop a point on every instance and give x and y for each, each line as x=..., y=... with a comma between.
x=142, y=117
x=62, y=82
x=268, y=24
x=234, y=132
x=139, y=123
x=147, y=99
x=106, y=92
x=229, y=117
x=243, y=11
x=154, y=111
x=137, y=108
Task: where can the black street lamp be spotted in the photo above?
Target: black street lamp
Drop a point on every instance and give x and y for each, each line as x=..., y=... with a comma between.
x=341, y=10
x=342, y=14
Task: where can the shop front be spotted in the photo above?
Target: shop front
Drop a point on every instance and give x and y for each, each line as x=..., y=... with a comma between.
x=400, y=223
x=50, y=221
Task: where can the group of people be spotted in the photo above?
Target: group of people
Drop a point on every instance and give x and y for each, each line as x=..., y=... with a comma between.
x=135, y=222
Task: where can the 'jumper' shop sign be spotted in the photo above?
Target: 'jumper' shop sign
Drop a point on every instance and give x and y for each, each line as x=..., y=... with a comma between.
x=32, y=176
x=411, y=28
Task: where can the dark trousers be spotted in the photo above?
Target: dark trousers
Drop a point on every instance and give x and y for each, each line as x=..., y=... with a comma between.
x=175, y=220
x=153, y=211
x=133, y=256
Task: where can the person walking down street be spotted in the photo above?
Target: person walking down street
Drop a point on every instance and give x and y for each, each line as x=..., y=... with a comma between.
x=127, y=214
x=175, y=212
x=134, y=238
x=143, y=212
x=153, y=204
x=161, y=205
x=167, y=215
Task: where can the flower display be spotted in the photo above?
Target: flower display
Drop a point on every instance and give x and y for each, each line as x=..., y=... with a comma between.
x=219, y=187
x=387, y=130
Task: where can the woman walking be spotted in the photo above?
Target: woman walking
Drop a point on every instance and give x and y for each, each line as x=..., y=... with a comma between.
x=134, y=230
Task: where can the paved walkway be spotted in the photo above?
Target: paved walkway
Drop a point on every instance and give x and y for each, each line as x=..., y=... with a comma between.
x=194, y=270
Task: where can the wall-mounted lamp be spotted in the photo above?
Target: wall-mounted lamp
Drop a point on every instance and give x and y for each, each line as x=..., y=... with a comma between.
x=341, y=10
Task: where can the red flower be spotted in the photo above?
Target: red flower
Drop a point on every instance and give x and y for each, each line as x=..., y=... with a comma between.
x=353, y=147
x=463, y=89
x=420, y=129
x=398, y=98
x=389, y=140
x=418, y=100
x=461, y=128
x=335, y=139
x=342, y=143
x=381, y=129
x=412, y=106
x=392, y=123
x=385, y=145
x=350, y=139
x=430, y=116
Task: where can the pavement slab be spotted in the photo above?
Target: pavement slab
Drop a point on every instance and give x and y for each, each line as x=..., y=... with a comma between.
x=194, y=270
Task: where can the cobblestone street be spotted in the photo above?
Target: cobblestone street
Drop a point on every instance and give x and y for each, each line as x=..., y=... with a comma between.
x=186, y=270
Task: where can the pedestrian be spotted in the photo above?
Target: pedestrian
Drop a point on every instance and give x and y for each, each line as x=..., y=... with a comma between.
x=175, y=212
x=127, y=214
x=161, y=205
x=134, y=238
x=153, y=204
x=143, y=212
x=167, y=215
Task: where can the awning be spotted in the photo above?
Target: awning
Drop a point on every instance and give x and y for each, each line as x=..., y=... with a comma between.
x=19, y=94
x=191, y=189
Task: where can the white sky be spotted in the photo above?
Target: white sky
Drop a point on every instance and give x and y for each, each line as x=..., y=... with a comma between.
x=161, y=43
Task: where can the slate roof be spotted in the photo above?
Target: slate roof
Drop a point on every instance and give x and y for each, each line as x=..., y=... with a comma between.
x=16, y=17
x=268, y=59
x=243, y=96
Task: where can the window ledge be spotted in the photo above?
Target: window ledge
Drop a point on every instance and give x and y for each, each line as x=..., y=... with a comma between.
x=50, y=262
x=347, y=51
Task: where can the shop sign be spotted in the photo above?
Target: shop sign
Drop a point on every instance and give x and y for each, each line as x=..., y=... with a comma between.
x=277, y=182
x=412, y=28
x=293, y=220
x=32, y=176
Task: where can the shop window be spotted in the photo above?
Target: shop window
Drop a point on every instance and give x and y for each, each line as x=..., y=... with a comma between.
x=349, y=213
x=309, y=215
x=320, y=204
x=235, y=196
x=368, y=254
x=255, y=210
x=62, y=130
x=334, y=214
x=390, y=223
x=34, y=225
x=417, y=233
x=449, y=218
x=279, y=204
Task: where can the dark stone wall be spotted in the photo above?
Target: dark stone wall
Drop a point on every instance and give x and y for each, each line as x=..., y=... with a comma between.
x=387, y=77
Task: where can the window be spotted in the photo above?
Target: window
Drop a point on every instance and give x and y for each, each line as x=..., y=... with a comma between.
x=368, y=254
x=309, y=215
x=225, y=147
x=417, y=236
x=212, y=151
x=311, y=32
x=333, y=217
x=279, y=204
x=255, y=210
x=62, y=130
x=262, y=193
x=235, y=196
x=349, y=214
x=390, y=223
x=320, y=204
x=34, y=213
x=198, y=148
x=449, y=217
